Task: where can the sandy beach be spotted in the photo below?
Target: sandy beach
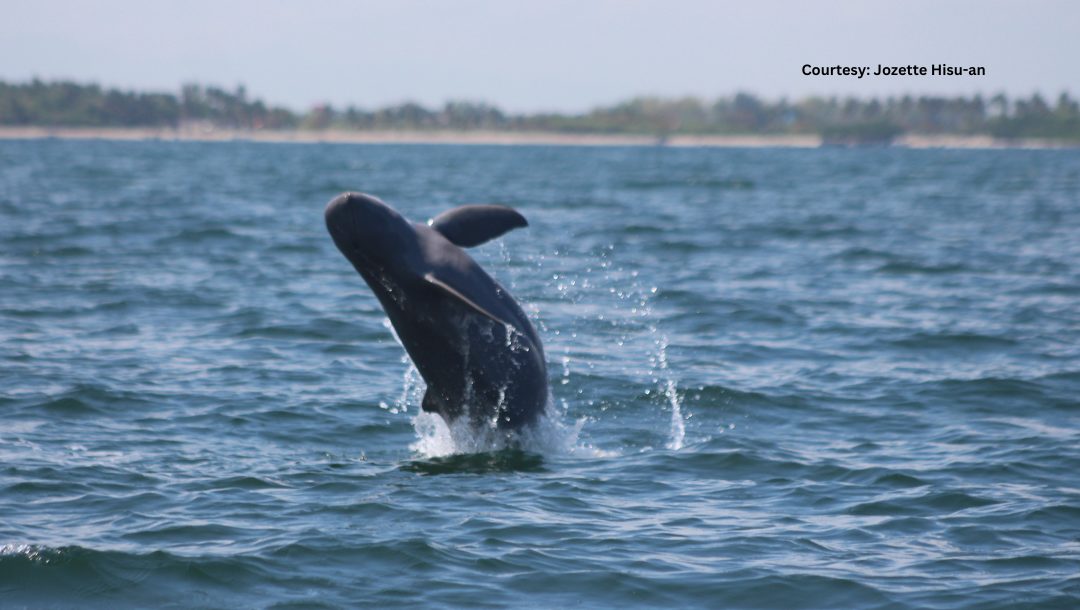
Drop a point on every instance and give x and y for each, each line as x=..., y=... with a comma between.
x=501, y=138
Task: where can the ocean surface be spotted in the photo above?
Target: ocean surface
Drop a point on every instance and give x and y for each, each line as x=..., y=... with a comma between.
x=780, y=379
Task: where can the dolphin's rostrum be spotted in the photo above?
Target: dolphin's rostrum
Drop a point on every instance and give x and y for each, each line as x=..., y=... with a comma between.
x=470, y=340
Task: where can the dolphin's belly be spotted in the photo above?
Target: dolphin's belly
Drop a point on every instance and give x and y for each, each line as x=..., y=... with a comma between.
x=506, y=372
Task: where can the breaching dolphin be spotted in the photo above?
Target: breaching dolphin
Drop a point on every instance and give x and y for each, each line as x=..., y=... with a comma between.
x=470, y=340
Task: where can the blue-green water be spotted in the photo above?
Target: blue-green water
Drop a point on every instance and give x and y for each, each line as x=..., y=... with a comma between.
x=780, y=379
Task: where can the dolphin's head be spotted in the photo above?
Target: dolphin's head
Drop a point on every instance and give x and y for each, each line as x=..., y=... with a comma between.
x=373, y=236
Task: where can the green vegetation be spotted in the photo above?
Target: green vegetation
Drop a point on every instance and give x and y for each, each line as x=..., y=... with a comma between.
x=66, y=104
x=842, y=121
x=1034, y=118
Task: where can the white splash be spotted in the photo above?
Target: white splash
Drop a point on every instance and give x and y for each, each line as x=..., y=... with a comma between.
x=678, y=426
x=661, y=372
x=412, y=389
x=549, y=436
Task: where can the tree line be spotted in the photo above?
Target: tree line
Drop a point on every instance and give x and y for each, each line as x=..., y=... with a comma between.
x=69, y=104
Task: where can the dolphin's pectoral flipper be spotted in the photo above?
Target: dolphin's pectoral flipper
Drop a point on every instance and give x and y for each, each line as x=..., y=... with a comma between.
x=451, y=291
x=472, y=225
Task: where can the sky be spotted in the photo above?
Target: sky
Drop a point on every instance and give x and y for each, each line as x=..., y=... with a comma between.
x=540, y=55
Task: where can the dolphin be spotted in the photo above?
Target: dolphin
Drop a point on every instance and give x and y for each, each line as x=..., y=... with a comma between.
x=475, y=348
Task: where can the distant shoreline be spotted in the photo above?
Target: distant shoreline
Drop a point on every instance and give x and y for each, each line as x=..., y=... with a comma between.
x=501, y=138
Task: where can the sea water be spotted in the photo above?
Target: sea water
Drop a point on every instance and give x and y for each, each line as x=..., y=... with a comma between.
x=780, y=379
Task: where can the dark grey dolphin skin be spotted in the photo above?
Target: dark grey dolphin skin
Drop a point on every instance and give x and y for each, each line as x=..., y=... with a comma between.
x=469, y=339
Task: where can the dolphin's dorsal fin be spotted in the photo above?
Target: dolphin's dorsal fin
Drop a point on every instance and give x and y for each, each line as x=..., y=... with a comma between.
x=472, y=225
x=450, y=290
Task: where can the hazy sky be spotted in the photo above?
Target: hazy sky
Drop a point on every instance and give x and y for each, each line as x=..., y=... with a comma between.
x=539, y=55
